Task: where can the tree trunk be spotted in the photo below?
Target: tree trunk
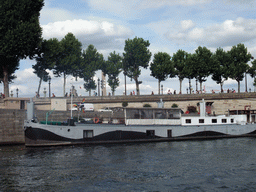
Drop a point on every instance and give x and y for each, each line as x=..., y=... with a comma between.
x=137, y=85
x=64, y=85
x=196, y=85
x=189, y=84
x=180, y=86
x=5, y=81
x=245, y=79
x=201, y=86
x=39, y=86
x=124, y=84
x=90, y=92
x=159, y=87
x=238, y=86
x=221, y=87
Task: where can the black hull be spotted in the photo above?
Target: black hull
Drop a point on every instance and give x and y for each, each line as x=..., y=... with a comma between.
x=41, y=138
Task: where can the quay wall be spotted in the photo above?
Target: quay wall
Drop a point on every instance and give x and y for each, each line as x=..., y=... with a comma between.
x=11, y=126
x=12, y=120
x=222, y=102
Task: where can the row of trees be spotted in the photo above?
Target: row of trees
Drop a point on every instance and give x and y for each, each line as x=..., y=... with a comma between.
x=65, y=58
x=221, y=65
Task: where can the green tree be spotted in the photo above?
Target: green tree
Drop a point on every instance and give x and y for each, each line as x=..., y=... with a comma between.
x=68, y=61
x=91, y=62
x=20, y=34
x=238, y=63
x=13, y=64
x=180, y=62
x=47, y=59
x=161, y=67
x=202, y=64
x=113, y=69
x=190, y=71
x=220, y=70
x=252, y=71
x=136, y=54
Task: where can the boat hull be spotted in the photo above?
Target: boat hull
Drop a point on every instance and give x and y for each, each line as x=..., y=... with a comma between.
x=47, y=135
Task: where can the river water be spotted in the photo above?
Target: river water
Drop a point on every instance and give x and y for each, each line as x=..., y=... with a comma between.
x=213, y=165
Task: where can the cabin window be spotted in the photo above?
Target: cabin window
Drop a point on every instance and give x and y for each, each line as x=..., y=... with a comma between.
x=232, y=120
x=88, y=133
x=150, y=133
x=169, y=133
x=214, y=120
x=188, y=121
x=201, y=120
x=224, y=120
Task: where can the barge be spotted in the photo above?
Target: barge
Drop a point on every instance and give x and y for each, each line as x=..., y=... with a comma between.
x=143, y=125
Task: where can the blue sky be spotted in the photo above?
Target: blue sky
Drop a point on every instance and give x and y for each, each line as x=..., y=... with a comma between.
x=169, y=25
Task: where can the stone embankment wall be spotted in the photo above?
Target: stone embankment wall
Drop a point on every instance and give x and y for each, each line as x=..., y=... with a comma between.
x=11, y=128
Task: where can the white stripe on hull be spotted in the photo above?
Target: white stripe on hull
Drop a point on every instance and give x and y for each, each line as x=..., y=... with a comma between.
x=76, y=132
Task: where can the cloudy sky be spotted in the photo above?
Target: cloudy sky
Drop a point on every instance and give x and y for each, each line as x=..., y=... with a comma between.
x=169, y=25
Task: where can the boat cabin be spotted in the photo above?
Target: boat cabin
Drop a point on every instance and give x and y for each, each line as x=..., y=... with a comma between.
x=152, y=116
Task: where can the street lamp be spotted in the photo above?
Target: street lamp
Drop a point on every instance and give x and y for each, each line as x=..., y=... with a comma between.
x=17, y=92
x=44, y=92
x=98, y=86
x=49, y=85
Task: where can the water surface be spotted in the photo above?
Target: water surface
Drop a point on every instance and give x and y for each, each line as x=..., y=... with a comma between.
x=213, y=165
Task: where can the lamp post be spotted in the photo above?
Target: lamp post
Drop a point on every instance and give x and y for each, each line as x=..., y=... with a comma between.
x=49, y=85
x=17, y=92
x=44, y=92
x=98, y=86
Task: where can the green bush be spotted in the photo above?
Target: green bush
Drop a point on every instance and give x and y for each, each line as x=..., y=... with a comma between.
x=146, y=105
x=125, y=104
x=174, y=105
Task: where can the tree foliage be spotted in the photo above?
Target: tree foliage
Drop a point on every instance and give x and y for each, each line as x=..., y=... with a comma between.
x=136, y=55
x=20, y=34
x=113, y=69
x=91, y=62
x=220, y=68
x=68, y=59
x=239, y=57
x=180, y=63
x=47, y=58
x=161, y=67
x=202, y=64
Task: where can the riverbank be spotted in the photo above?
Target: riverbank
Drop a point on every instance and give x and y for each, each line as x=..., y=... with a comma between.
x=12, y=120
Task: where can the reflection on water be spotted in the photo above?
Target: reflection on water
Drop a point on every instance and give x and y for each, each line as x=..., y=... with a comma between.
x=216, y=165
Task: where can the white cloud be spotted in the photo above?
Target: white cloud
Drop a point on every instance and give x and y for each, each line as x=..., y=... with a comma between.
x=228, y=33
x=102, y=34
x=187, y=24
